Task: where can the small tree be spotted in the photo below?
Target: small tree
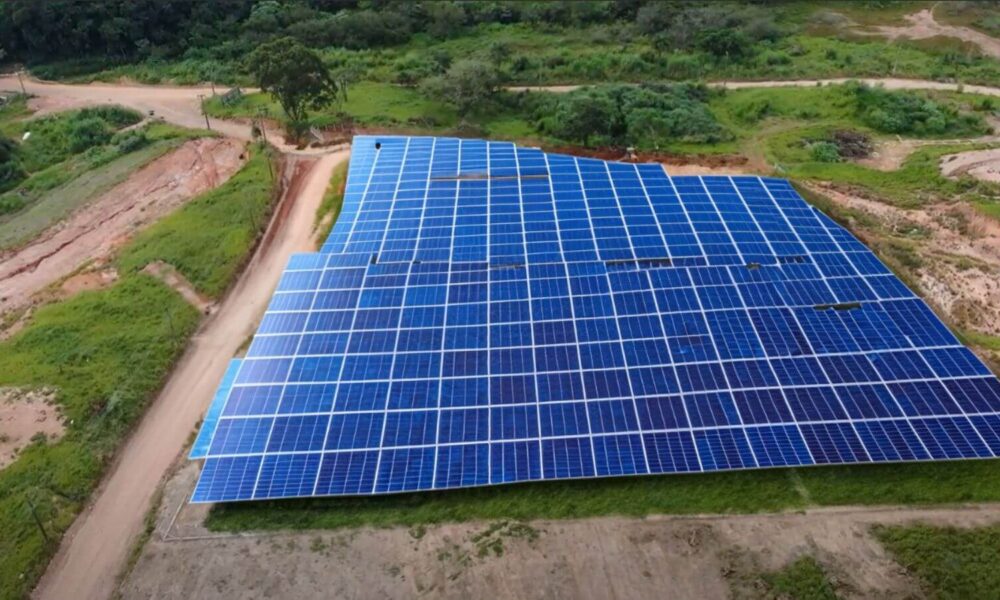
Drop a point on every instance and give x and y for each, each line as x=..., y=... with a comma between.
x=467, y=85
x=295, y=76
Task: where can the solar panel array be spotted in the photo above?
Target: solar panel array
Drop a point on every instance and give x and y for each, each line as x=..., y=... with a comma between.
x=486, y=314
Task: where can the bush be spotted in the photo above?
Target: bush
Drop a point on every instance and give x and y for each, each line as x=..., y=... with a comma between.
x=130, y=141
x=825, y=152
x=87, y=132
x=908, y=113
x=647, y=115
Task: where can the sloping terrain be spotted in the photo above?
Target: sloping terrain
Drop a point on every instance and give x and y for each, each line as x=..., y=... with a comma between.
x=95, y=230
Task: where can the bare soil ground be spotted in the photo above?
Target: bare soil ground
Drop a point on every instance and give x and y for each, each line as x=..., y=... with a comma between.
x=961, y=249
x=981, y=164
x=23, y=415
x=97, y=545
x=922, y=25
x=92, y=232
x=610, y=557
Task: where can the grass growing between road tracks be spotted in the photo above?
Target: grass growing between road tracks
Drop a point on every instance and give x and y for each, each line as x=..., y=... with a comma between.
x=210, y=238
x=736, y=492
x=950, y=563
x=107, y=352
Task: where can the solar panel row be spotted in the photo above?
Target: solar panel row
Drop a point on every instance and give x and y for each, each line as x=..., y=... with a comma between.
x=487, y=314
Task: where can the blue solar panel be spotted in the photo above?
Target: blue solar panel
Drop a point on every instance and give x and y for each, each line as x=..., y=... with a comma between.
x=486, y=314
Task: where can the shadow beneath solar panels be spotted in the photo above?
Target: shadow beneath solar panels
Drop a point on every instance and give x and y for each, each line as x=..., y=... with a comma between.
x=734, y=492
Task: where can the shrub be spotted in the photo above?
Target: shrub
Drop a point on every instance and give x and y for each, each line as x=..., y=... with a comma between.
x=908, y=113
x=825, y=152
x=87, y=132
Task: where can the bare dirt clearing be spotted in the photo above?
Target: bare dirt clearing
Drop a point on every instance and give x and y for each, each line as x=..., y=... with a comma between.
x=961, y=249
x=25, y=414
x=981, y=164
x=923, y=25
x=93, y=231
x=97, y=545
x=609, y=557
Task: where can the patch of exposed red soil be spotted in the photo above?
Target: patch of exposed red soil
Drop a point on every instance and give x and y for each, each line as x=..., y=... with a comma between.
x=92, y=232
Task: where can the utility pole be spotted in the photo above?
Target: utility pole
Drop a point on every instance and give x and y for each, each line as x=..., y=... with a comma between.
x=201, y=98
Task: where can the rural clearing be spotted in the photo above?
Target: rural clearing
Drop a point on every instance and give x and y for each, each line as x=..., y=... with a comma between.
x=585, y=558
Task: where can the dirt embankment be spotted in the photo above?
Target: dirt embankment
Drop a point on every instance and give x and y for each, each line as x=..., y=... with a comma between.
x=92, y=233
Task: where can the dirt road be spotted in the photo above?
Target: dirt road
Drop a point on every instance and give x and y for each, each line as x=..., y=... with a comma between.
x=96, y=547
x=890, y=83
x=92, y=232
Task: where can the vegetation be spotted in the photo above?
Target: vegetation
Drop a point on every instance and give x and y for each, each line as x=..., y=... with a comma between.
x=949, y=562
x=295, y=77
x=909, y=114
x=333, y=202
x=645, y=116
x=803, y=579
x=542, y=42
x=52, y=140
x=757, y=491
x=107, y=352
x=209, y=240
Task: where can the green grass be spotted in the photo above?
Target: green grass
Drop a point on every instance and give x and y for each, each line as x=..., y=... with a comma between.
x=737, y=492
x=333, y=202
x=107, y=352
x=52, y=204
x=950, y=563
x=210, y=239
x=803, y=579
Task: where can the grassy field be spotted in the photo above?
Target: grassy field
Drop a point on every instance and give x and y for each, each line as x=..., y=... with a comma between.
x=950, y=563
x=737, y=492
x=107, y=353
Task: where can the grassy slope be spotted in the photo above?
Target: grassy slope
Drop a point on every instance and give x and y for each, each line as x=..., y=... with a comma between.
x=107, y=352
x=948, y=562
x=53, y=205
x=207, y=241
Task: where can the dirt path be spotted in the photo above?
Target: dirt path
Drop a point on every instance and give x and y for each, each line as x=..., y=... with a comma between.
x=890, y=83
x=180, y=105
x=97, y=545
x=96, y=229
x=923, y=25
x=608, y=557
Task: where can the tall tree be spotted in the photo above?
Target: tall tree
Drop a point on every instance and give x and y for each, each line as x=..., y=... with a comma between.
x=295, y=76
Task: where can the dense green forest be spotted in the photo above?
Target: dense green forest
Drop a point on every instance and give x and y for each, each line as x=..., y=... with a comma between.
x=405, y=42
